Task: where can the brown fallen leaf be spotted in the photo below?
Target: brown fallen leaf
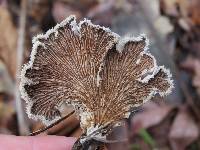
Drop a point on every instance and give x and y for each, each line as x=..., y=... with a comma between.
x=77, y=133
x=169, y=7
x=8, y=41
x=162, y=129
x=62, y=10
x=6, y=84
x=184, y=130
x=196, y=13
x=190, y=11
x=119, y=134
x=6, y=114
x=186, y=12
x=150, y=116
x=193, y=64
x=102, y=13
x=39, y=9
x=81, y=3
x=6, y=111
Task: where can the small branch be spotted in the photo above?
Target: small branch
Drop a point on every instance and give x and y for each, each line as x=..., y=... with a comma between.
x=23, y=128
x=52, y=125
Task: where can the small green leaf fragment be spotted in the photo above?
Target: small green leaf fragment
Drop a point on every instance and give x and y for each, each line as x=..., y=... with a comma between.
x=147, y=137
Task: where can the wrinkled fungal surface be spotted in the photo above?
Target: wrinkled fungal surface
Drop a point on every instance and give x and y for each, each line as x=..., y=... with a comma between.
x=92, y=68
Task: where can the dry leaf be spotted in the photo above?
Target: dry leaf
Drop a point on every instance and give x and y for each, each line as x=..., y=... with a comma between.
x=6, y=83
x=119, y=134
x=38, y=9
x=6, y=114
x=169, y=7
x=62, y=10
x=76, y=133
x=184, y=130
x=193, y=64
x=102, y=13
x=8, y=41
x=152, y=115
x=82, y=3
x=187, y=11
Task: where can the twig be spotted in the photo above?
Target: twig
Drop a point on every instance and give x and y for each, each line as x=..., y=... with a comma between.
x=52, y=125
x=23, y=128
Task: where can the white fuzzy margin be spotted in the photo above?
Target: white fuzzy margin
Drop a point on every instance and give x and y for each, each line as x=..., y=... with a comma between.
x=120, y=45
x=156, y=91
x=154, y=70
x=36, y=43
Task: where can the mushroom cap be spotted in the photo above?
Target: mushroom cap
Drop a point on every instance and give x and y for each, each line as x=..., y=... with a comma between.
x=85, y=65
